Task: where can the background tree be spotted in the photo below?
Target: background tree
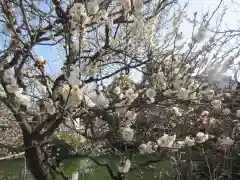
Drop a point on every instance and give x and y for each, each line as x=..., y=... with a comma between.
x=101, y=44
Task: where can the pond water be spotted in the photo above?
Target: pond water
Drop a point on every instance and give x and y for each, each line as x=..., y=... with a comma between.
x=85, y=169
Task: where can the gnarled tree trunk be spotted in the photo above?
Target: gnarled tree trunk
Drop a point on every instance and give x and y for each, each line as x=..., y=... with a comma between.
x=37, y=163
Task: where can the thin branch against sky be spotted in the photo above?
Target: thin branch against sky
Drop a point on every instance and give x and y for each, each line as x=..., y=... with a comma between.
x=201, y=6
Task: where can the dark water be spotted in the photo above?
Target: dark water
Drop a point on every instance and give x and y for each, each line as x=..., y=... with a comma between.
x=85, y=169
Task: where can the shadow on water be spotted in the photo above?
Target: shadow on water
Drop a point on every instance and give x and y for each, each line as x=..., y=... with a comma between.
x=85, y=169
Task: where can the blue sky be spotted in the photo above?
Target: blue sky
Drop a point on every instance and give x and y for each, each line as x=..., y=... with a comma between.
x=231, y=18
x=50, y=53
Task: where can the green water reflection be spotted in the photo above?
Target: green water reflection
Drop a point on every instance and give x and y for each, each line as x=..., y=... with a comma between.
x=85, y=169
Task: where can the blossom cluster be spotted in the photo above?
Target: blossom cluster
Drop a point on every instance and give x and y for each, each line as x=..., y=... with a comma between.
x=13, y=88
x=171, y=85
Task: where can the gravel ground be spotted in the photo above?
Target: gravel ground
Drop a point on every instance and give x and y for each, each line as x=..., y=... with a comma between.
x=10, y=133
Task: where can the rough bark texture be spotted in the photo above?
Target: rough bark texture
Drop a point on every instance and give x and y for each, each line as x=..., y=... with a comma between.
x=36, y=161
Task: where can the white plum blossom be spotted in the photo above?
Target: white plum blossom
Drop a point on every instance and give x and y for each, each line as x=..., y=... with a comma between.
x=151, y=93
x=40, y=59
x=131, y=95
x=204, y=86
x=77, y=124
x=201, y=137
x=9, y=72
x=148, y=148
x=12, y=88
x=75, y=47
x=50, y=108
x=80, y=18
x=238, y=113
x=166, y=140
x=81, y=138
x=76, y=95
x=193, y=86
x=85, y=20
x=176, y=71
x=192, y=95
x=80, y=128
x=73, y=77
x=226, y=111
x=10, y=5
x=78, y=9
x=93, y=7
x=75, y=175
x=138, y=5
x=212, y=122
x=183, y=94
x=179, y=36
x=237, y=124
x=136, y=25
x=102, y=17
x=117, y=90
x=204, y=117
x=2, y=91
x=209, y=94
x=177, y=111
x=125, y=167
x=227, y=141
x=42, y=90
x=168, y=92
x=161, y=76
x=100, y=99
x=200, y=35
x=91, y=70
x=8, y=76
x=127, y=134
x=22, y=98
x=126, y=5
x=216, y=104
x=189, y=141
x=64, y=90
x=205, y=113
x=150, y=101
x=177, y=145
x=227, y=95
x=121, y=95
x=130, y=115
x=142, y=148
x=178, y=84
x=120, y=108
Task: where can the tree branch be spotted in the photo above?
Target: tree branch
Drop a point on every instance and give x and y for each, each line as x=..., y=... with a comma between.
x=149, y=162
x=25, y=19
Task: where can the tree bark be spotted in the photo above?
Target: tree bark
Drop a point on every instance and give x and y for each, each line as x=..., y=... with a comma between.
x=37, y=163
